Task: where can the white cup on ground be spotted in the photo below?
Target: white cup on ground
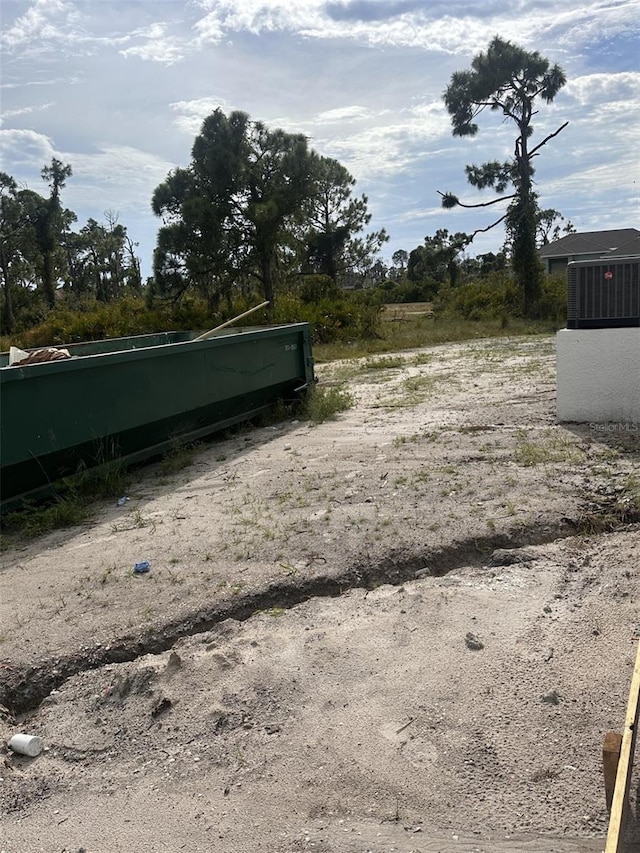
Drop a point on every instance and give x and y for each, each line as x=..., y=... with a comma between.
x=30, y=745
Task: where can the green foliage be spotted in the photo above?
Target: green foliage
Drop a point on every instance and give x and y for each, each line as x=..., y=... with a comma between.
x=343, y=317
x=33, y=521
x=42, y=260
x=323, y=404
x=498, y=297
x=505, y=79
x=74, y=501
x=494, y=297
x=93, y=320
x=552, y=304
x=437, y=258
x=331, y=218
x=253, y=205
x=408, y=291
x=312, y=288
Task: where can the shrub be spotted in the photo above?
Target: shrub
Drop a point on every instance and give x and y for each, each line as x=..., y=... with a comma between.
x=323, y=404
x=497, y=297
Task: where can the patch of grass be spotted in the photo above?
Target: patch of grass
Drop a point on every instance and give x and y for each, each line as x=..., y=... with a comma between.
x=73, y=499
x=414, y=390
x=420, y=358
x=33, y=521
x=612, y=507
x=323, y=404
x=417, y=331
x=550, y=447
x=180, y=456
x=384, y=363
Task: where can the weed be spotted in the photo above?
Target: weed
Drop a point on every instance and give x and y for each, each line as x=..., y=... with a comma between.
x=384, y=363
x=179, y=457
x=275, y=612
x=323, y=404
x=510, y=507
x=420, y=358
x=550, y=448
x=106, y=573
x=611, y=507
x=175, y=578
x=33, y=521
x=414, y=390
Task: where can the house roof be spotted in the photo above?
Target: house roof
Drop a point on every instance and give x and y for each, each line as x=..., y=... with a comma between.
x=624, y=241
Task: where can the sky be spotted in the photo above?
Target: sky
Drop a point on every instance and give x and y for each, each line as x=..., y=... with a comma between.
x=118, y=89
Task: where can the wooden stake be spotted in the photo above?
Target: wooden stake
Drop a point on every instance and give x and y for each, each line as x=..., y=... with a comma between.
x=610, y=758
x=620, y=802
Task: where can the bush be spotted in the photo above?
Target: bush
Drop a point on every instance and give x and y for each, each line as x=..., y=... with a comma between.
x=323, y=404
x=497, y=297
x=552, y=304
x=408, y=291
x=343, y=317
x=493, y=298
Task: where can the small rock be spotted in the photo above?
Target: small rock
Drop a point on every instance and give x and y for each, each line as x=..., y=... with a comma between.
x=551, y=698
x=472, y=642
x=160, y=707
x=423, y=573
x=510, y=556
x=174, y=663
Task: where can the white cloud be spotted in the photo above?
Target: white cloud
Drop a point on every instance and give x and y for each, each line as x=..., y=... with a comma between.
x=26, y=149
x=257, y=16
x=45, y=21
x=423, y=26
x=117, y=177
x=158, y=44
x=191, y=114
x=606, y=88
x=378, y=150
x=11, y=114
x=363, y=80
x=343, y=114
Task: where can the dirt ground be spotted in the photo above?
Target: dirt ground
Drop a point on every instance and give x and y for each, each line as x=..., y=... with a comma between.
x=400, y=630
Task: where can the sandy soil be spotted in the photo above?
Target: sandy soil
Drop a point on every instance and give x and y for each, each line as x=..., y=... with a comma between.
x=389, y=632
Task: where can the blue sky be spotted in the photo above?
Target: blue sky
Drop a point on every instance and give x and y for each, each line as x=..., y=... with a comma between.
x=118, y=89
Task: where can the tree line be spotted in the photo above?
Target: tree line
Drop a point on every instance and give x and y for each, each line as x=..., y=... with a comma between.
x=258, y=211
x=40, y=253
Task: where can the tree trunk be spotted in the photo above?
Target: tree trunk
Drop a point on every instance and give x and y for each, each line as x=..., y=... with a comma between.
x=526, y=264
x=48, y=283
x=267, y=281
x=9, y=320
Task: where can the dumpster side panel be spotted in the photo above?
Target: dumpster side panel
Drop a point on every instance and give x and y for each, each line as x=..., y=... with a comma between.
x=126, y=403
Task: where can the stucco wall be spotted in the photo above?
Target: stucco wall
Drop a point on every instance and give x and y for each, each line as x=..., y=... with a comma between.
x=599, y=375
